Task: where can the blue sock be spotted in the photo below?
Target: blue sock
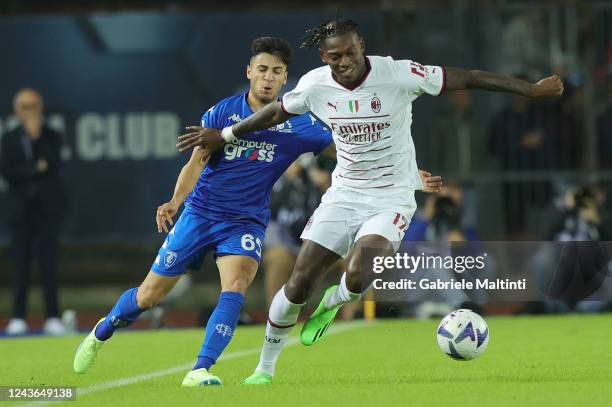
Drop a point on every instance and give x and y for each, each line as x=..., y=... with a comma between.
x=220, y=328
x=124, y=312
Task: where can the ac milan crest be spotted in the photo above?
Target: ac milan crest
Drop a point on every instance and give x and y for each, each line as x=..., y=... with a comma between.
x=375, y=104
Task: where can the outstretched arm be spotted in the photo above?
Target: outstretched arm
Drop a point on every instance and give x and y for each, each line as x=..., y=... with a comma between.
x=269, y=116
x=457, y=79
x=214, y=139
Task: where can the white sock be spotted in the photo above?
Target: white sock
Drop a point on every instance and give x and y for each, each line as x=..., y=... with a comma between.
x=282, y=317
x=341, y=295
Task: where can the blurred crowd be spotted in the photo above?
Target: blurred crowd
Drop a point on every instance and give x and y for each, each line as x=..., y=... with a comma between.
x=527, y=141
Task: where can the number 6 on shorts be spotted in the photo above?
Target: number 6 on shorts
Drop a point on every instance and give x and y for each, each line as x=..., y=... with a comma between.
x=248, y=242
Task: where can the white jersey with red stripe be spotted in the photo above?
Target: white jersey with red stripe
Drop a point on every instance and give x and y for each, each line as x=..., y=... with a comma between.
x=370, y=124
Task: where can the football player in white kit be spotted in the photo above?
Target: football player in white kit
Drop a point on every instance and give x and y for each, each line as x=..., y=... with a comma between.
x=367, y=103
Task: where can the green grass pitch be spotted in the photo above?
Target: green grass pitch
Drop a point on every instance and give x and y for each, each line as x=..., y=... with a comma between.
x=531, y=361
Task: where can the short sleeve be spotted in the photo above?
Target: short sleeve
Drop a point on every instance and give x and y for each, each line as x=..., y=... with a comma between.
x=296, y=101
x=317, y=136
x=417, y=79
x=212, y=118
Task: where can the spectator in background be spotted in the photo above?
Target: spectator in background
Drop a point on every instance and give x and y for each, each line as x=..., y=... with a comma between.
x=441, y=219
x=463, y=139
x=294, y=198
x=604, y=139
x=604, y=131
x=517, y=140
x=30, y=162
x=524, y=45
x=580, y=218
x=564, y=125
x=517, y=137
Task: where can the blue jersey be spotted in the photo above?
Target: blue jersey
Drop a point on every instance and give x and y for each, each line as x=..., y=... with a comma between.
x=237, y=181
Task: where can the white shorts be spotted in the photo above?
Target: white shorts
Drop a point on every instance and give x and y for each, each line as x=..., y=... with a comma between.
x=337, y=227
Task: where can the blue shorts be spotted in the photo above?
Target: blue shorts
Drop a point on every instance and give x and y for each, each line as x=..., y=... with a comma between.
x=193, y=236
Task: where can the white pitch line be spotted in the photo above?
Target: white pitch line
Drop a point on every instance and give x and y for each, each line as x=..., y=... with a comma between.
x=94, y=388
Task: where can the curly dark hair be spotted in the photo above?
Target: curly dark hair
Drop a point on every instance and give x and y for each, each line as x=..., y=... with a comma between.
x=328, y=28
x=272, y=45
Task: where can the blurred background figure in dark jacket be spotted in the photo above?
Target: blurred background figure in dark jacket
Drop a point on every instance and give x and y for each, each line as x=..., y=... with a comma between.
x=30, y=162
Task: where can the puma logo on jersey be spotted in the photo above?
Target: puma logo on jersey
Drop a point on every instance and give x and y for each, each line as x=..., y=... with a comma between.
x=335, y=106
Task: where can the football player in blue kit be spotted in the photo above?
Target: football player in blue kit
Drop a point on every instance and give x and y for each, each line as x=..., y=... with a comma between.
x=226, y=212
x=226, y=196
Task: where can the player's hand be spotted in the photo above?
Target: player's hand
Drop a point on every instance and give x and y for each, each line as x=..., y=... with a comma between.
x=431, y=183
x=549, y=87
x=165, y=213
x=200, y=136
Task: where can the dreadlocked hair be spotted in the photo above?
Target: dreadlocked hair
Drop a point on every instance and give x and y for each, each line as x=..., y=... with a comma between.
x=326, y=29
